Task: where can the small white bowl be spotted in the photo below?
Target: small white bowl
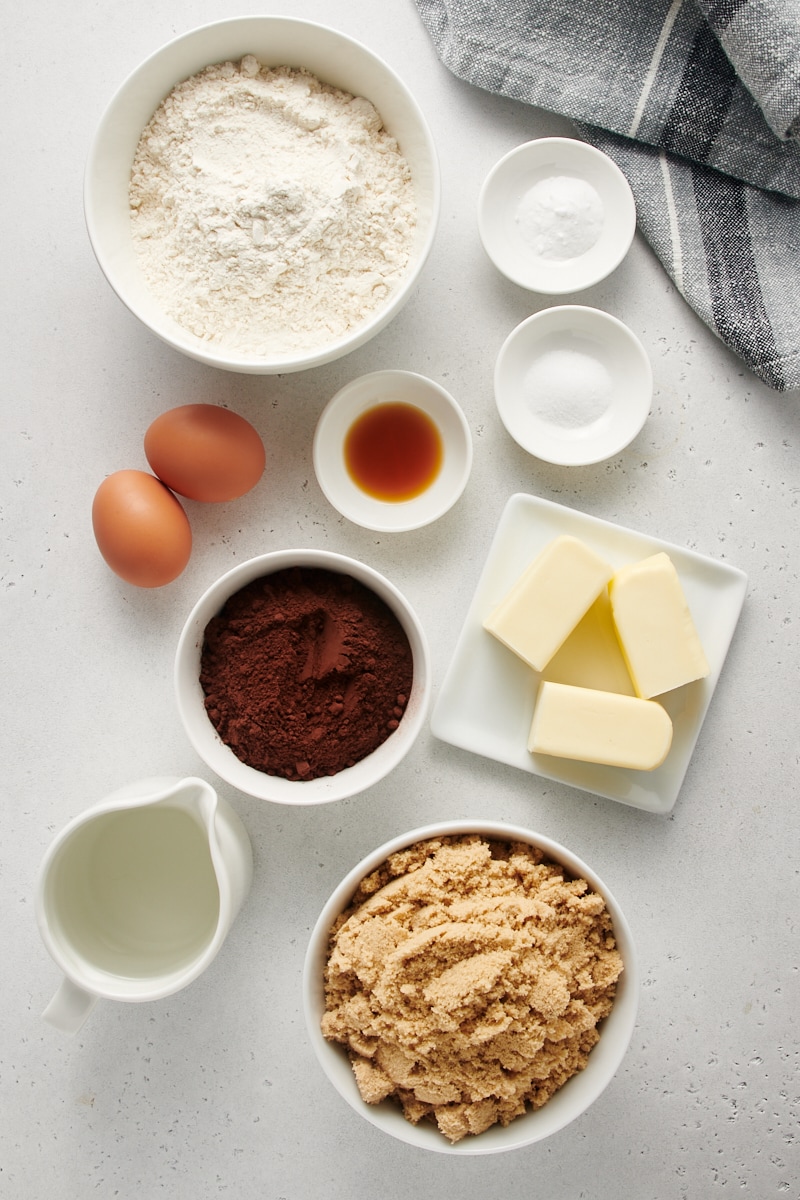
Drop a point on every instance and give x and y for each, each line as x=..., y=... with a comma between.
x=556, y=215
x=363, y=394
x=569, y=1102
x=573, y=385
x=221, y=758
x=275, y=41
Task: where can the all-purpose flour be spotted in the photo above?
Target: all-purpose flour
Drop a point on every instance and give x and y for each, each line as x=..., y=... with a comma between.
x=270, y=212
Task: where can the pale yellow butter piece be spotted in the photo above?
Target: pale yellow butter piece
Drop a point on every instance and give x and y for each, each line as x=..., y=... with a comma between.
x=591, y=656
x=656, y=632
x=599, y=727
x=548, y=600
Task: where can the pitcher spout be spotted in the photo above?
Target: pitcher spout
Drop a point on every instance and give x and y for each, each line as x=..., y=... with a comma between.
x=228, y=841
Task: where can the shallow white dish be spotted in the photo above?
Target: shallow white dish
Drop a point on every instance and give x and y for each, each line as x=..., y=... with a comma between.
x=334, y=58
x=593, y=237
x=573, y=385
x=486, y=700
x=349, y=403
x=576, y=1095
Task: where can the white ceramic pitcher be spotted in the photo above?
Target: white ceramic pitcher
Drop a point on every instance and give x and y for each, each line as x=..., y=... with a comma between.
x=136, y=895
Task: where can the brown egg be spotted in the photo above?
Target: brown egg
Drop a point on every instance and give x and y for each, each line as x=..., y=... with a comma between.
x=141, y=529
x=205, y=452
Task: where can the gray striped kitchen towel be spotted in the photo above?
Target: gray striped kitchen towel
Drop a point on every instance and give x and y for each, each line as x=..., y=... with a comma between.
x=698, y=101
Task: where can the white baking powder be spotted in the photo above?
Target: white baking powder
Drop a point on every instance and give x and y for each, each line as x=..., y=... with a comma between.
x=271, y=213
x=560, y=217
x=568, y=388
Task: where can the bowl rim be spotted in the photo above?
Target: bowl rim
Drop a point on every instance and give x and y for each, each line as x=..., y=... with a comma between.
x=387, y=517
x=564, y=279
x=548, y=1119
x=566, y=452
x=173, y=334
x=218, y=757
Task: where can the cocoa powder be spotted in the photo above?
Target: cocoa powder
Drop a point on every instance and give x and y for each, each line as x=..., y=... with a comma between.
x=305, y=672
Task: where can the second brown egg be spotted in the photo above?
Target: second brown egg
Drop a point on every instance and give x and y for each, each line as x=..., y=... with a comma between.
x=205, y=452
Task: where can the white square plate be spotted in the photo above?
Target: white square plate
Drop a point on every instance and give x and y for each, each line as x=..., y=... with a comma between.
x=485, y=704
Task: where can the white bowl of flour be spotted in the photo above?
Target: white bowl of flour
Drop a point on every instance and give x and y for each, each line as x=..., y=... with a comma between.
x=263, y=193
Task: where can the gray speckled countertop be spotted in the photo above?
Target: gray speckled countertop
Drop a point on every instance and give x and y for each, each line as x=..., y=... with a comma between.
x=215, y=1092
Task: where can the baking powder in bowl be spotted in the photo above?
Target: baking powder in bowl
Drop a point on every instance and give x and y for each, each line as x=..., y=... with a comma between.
x=270, y=212
x=560, y=217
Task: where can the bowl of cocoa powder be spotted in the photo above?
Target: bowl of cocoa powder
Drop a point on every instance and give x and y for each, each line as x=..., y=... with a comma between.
x=263, y=193
x=471, y=987
x=302, y=676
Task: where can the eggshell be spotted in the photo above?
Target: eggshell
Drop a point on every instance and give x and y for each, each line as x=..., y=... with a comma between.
x=141, y=529
x=205, y=452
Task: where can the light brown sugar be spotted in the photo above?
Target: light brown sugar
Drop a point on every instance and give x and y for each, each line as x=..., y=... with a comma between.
x=467, y=980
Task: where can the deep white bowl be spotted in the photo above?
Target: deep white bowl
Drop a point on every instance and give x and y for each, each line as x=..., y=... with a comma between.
x=507, y=236
x=573, y=385
x=569, y=1102
x=275, y=41
x=221, y=759
x=357, y=397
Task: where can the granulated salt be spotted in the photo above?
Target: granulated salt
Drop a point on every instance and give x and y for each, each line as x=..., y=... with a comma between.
x=568, y=388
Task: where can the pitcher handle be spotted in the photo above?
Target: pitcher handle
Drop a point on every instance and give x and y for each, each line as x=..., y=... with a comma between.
x=70, y=1007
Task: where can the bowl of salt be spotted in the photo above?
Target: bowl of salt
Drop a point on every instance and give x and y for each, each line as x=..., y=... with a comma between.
x=573, y=385
x=556, y=215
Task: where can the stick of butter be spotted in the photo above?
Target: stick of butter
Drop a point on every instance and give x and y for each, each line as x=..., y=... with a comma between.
x=548, y=600
x=599, y=727
x=656, y=632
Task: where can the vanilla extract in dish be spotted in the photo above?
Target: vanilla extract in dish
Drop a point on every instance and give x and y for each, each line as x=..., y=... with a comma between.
x=393, y=451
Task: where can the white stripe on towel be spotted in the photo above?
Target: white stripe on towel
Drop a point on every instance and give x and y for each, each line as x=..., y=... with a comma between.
x=652, y=70
x=674, y=230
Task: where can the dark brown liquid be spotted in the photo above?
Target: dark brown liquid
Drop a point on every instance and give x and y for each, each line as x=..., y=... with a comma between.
x=393, y=451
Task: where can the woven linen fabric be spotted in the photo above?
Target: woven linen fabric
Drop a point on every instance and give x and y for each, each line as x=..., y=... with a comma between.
x=698, y=102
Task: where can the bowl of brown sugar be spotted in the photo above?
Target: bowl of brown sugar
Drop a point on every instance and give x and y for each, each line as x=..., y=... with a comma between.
x=471, y=987
x=302, y=676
